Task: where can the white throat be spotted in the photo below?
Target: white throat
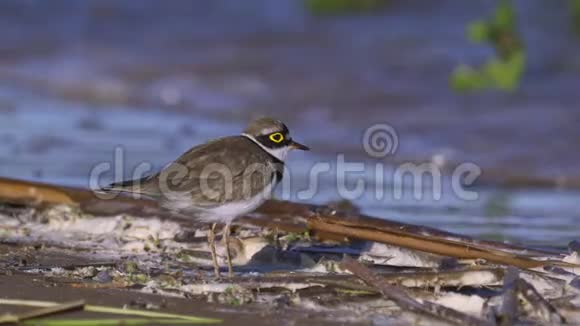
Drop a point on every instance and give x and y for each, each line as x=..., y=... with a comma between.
x=279, y=153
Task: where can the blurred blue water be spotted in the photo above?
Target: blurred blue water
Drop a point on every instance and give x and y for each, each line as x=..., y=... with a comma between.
x=78, y=79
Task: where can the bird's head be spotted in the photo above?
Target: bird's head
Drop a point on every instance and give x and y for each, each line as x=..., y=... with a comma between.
x=273, y=136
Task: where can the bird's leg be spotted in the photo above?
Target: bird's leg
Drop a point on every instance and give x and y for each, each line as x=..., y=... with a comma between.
x=211, y=242
x=226, y=239
x=277, y=238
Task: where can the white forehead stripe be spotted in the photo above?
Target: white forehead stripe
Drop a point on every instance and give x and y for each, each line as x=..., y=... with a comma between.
x=269, y=130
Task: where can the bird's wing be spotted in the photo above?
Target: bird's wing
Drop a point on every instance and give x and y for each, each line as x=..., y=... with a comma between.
x=227, y=155
x=187, y=168
x=204, y=171
x=201, y=173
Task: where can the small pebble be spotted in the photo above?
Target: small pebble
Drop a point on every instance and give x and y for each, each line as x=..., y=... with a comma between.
x=575, y=283
x=574, y=247
x=103, y=277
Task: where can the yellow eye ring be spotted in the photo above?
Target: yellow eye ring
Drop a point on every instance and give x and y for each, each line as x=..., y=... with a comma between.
x=276, y=137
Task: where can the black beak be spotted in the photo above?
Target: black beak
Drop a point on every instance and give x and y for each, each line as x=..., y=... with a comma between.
x=296, y=145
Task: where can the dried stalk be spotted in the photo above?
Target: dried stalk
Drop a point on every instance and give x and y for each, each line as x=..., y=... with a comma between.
x=406, y=302
x=426, y=243
x=541, y=308
x=17, y=191
x=508, y=314
x=45, y=311
x=457, y=278
x=295, y=217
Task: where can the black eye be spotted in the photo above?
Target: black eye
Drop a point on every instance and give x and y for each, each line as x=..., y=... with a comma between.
x=276, y=137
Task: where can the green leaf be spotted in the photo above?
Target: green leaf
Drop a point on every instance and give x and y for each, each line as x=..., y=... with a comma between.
x=478, y=31
x=575, y=8
x=506, y=74
x=504, y=18
x=504, y=71
x=465, y=79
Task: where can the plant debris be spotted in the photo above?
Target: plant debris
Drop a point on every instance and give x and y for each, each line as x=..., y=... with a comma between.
x=288, y=257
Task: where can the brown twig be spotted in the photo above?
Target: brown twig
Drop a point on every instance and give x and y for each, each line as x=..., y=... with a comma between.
x=508, y=313
x=541, y=308
x=424, y=243
x=406, y=302
x=18, y=191
x=46, y=311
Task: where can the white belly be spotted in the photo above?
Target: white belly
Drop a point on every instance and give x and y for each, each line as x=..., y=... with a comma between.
x=220, y=214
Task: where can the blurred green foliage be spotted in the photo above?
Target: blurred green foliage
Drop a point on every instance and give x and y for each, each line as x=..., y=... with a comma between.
x=503, y=71
x=497, y=73
x=575, y=8
x=333, y=7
